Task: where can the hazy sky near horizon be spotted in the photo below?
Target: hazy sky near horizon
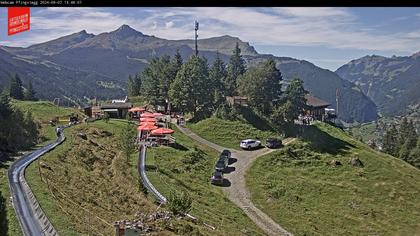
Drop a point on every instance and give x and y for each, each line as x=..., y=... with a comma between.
x=327, y=37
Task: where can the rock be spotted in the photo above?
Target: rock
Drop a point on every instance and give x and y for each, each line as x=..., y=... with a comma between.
x=356, y=162
x=335, y=163
x=82, y=136
x=105, y=133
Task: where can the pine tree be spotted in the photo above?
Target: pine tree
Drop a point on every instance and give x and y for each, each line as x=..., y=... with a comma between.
x=29, y=94
x=295, y=93
x=410, y=139
x=5, y=107
x=404, y=130
x=261, y=84
x=217, y=75
x=32, y=129
x=4, y=227
x=157, y=78
x=236, y=68
x=177, y=62
x=137, y=85
x=16, y=90
x=127, y=137
x=414, y=157
x=390, y=141
x=130, y=86
x=191, y=90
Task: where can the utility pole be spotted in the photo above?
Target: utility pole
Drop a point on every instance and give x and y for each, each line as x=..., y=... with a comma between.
x=337, y=95
x=196, y=36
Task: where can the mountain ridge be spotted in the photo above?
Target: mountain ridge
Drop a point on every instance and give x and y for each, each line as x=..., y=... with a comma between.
x=126, y=51
x=391, y=82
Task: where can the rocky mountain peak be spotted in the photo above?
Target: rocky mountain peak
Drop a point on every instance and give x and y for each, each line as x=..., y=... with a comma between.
x=126, y=31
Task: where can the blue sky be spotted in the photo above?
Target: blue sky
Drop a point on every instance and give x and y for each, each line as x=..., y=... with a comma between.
x=327, y=37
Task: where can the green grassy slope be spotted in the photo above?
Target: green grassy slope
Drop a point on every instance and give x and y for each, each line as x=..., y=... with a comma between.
x=90, y=185
x=171, y=169
x=12, y=221
x=307, y=196
x=43, y=112
x=228, y=133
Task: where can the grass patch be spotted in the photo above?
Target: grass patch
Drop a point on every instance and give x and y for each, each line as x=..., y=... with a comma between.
x=365, y=132
x=188, y=167
x=299, y=190
x=228, y=133
x=89, y=185
x=43, y=112
x=12, y=222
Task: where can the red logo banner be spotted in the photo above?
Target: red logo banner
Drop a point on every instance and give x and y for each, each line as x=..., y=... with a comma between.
x=18, y=20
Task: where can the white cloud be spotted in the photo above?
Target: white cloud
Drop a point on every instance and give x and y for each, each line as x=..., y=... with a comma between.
x=169, y=24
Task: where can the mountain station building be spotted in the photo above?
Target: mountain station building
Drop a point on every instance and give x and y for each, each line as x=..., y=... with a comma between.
x=116, y=110
x=315, y=107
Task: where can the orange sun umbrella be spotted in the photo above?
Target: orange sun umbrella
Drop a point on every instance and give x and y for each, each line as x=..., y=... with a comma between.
x=136, y=109
x=157, y=114
x=147, y=123
x=146, y=127
x=147, y=115
x=161, y=131
x=147, y=119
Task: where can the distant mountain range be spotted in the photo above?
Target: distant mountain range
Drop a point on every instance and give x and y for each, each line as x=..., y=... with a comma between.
x=392, y=83
x=83, y=65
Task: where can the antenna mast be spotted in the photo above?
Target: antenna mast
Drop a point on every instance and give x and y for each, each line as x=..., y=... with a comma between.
x=196, y=36
x=337, y=95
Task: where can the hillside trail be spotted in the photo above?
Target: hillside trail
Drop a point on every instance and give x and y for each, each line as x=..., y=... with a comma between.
x=236, y=189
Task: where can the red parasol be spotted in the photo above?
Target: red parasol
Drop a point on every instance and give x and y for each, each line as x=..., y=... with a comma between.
x=161, y=131
x=146, y=127
x=147, y=119
x=157, y=114
x=147, y=115
x=136, y=109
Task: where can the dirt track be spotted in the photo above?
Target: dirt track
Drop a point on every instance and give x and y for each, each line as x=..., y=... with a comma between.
x=235, y=187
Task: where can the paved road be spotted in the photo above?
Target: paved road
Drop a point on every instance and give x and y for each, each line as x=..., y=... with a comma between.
x=32, y=219
x=237, y=191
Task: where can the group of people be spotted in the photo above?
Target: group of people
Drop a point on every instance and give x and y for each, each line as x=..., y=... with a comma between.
x=305, y=119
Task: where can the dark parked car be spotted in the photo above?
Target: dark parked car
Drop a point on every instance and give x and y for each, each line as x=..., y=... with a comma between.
x=226, y=153
x=222, y=163
x=273, y=143
x=217, y=177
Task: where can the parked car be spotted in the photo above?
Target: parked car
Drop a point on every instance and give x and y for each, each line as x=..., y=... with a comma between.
x=217, y=177
x=222, y=163
x=226, y=153
x=250, y=144
x=273, y=143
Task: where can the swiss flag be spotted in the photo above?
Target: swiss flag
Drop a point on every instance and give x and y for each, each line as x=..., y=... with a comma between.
x=18, y=20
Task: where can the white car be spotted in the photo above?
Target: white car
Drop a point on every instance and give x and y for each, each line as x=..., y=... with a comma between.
x=250, y=144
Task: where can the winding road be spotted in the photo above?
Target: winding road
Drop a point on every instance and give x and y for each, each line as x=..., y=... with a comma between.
x=237, y=191
x=32, y=219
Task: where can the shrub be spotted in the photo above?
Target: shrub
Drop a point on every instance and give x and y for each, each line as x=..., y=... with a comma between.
x=179, y=203
x=194, y=156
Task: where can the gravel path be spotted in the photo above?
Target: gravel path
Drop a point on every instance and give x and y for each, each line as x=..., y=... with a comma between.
x=236, y=189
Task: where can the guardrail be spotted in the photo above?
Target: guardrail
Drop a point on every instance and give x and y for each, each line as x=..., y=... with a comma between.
x=146, y=182
x=32, y=218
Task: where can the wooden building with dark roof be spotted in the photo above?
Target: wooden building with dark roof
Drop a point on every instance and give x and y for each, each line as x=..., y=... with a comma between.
x=315, y=107
x=116, y=110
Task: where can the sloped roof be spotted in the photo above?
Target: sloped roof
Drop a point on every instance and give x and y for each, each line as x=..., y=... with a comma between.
x=126, y=105
x=315, y=102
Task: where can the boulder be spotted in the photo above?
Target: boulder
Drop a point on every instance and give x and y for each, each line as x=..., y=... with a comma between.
x=82, y=136
x=356, y=162
x=335, y=163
